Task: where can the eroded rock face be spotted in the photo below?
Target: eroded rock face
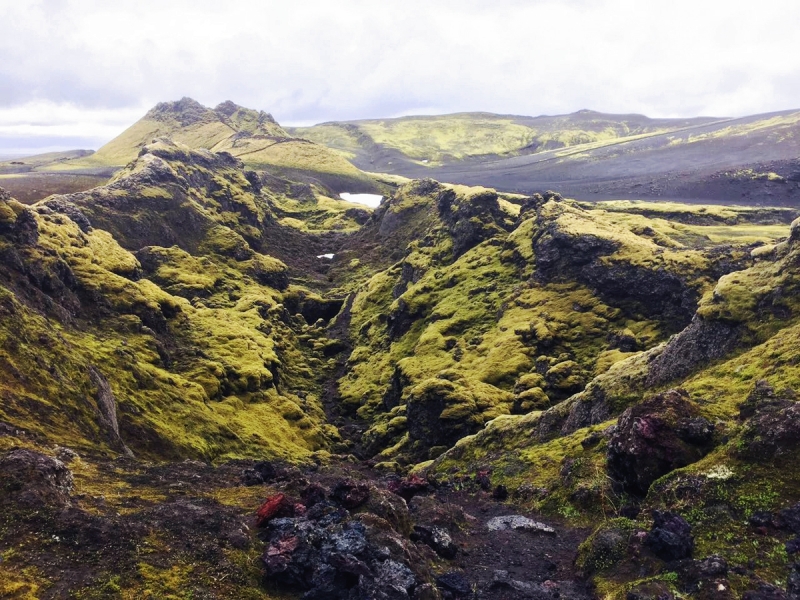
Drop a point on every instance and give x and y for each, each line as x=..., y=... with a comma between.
x=771, y=429
x=34, y=480
x=655, y=437
x=701, y=342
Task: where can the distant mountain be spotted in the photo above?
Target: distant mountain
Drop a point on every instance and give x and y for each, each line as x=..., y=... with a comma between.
x=253, y=136
x=444, y=139
x=588, y=155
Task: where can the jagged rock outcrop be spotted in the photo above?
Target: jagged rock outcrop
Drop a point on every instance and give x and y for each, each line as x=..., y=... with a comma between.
x=107, y=411
x=655, y=437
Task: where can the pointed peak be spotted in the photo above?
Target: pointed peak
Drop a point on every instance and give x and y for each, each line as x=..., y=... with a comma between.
x=186, y=111
x=227, y=108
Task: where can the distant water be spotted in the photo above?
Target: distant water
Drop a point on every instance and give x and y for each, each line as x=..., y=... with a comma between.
x=372, y=200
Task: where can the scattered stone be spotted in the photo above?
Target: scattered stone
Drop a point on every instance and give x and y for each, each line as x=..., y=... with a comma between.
x=409, y=487
x=350, y=494
x=339, y=559
x=66, y=455
x=774, y=429
x=789, y=519
x=313, y=494
x=274, y=506
x=437, y=538
x=390, y=507
x=261, y=472
x=671, y=536
x=708, y=574
x=33, y=479
x=396, y=576
x=455, y=583
x=502, y=580
x=519, y=523
x=762, y=518
x=500, y=493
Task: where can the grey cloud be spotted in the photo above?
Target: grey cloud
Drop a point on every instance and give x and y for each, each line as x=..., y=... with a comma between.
x=318, y=61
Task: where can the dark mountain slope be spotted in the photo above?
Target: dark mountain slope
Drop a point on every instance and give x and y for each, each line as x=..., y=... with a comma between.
x=750, y=160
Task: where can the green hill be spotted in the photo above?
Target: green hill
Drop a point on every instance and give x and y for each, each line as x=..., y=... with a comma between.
x=442, y=139
x=251, y=135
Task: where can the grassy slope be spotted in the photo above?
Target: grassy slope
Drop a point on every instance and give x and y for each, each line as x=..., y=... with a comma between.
x=457, y=320
x=445, y=138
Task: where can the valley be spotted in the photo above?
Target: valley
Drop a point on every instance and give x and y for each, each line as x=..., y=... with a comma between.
x=221, y=379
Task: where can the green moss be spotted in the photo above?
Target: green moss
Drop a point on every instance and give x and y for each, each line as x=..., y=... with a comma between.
x=606, y=547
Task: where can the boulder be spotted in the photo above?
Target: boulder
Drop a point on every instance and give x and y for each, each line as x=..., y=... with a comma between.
x=437, y=538
x=34, y=480
x=455, y=583
x=655, y=437
x=350, y=494
x=671, y=537
x=773, y=433
x=274, y=506
x=518, y=523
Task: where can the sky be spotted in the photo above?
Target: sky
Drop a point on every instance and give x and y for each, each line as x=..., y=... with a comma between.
x=75, y=73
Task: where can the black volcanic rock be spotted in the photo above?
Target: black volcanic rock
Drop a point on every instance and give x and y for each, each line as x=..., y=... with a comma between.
x=655, y=437
x=671, y=537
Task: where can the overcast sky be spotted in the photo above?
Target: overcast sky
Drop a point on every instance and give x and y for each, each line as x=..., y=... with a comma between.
x=75, y=73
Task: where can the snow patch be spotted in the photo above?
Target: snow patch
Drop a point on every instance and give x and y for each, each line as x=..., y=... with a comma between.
x=372, y=200
x=328, y=256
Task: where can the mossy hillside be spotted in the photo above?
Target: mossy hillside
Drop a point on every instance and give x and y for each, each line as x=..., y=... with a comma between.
x=479, y=325
x=717, y=495
x=316, y=211
x=697, y=214
x=187, y=122
x=646, y=273
x=206, y=203
x=762, y=298
x=669, y=229
x=630, y=245
x=553, y=460
x=211, y=379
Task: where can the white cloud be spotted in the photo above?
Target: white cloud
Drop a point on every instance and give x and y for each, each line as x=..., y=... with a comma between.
x=72, y=65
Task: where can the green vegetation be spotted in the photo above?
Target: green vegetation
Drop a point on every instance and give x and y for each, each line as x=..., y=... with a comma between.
x=461, y=331
x=436, y=140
